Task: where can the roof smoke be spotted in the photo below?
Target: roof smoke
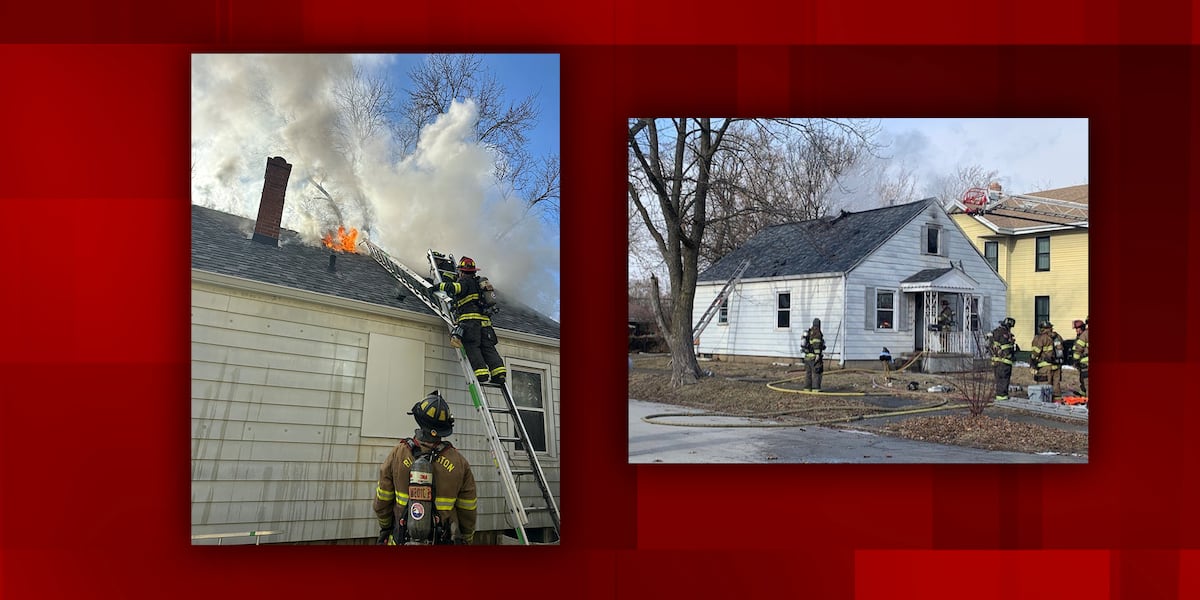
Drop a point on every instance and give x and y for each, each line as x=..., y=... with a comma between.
x=246, y=108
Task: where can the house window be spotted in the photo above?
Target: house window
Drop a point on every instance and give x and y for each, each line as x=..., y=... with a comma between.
x=723, y=312
x=974, y=324
x=1043, y=253
x=529, y=393
x=885, y=309
x=1041, y=311
x=933, y=239
x=991, y=253
x=783, y=310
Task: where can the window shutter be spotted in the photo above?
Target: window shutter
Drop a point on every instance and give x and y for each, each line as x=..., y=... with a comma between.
x=869, y=304
x=924, y=246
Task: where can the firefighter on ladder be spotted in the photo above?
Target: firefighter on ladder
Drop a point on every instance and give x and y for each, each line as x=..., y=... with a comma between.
x=474, y=332
x=426, y=491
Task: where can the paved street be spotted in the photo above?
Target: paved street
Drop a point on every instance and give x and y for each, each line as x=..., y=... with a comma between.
x=655, y=443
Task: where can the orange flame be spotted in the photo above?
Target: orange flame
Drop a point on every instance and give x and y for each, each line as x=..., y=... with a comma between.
x=345, y=242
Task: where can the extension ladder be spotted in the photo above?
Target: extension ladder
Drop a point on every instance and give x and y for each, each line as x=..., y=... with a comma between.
x=716, y=303
x=441, y=304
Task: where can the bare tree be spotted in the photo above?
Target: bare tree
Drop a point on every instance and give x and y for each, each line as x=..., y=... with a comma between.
x=897, y=186
x=952, y=187
x=501, y=125
x=674, y=176
x=780, y=174
x=365, y=109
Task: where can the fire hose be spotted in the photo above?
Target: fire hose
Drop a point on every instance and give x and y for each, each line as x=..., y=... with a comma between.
x=654, y=419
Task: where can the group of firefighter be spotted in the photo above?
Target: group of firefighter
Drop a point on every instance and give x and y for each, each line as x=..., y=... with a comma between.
x=426, y=491
x=1046, y=356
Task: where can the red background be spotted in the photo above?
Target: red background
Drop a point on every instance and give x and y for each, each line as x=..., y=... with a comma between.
x=94, y=195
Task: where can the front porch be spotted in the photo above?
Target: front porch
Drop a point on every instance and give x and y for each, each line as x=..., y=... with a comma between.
x=948, y=319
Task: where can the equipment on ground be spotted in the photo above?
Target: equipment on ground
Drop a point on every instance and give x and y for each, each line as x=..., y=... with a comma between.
x=508, y=467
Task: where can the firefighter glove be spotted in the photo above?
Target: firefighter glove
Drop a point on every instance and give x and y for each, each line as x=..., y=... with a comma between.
x=455, y=341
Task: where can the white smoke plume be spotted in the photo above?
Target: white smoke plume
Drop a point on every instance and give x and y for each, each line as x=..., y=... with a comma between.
x=248, y=108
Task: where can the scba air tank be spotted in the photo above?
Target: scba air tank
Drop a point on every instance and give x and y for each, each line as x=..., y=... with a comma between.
x=421, y=511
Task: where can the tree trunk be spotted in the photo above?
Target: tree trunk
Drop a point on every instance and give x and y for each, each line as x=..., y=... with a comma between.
x=678, y=335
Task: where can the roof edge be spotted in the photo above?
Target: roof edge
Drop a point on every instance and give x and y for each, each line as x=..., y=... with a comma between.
x=252, y=285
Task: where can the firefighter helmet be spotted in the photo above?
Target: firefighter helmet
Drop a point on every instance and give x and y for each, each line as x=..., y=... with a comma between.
x=433, y=415
x=1077, y=324
x=1045, y=325
x=467, y=264
x=1008, y=322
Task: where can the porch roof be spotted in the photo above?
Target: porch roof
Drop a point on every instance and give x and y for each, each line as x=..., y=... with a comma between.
x=948, y=279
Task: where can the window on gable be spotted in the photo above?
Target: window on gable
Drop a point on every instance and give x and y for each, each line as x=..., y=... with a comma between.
x=991, y=252
x=1043, y=254
x=723, y=312
x=933, y=239
x=783, y=310
x=885, y=309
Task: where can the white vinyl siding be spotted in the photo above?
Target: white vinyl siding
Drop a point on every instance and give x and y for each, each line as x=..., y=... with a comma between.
x=854, y=298
x=753, y=314
x=895, y=261
x=286, y=430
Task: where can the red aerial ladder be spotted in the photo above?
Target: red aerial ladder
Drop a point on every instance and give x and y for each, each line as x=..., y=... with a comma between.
x=983, y=201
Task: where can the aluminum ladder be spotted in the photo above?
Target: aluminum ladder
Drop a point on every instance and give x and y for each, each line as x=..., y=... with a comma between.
x=716, y=303
x=441, y=305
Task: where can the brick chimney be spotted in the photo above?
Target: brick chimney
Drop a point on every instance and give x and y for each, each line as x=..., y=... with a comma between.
x=270, y=207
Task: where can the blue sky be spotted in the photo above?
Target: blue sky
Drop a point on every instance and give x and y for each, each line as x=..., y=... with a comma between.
x=1029, y=154
x=520, y=74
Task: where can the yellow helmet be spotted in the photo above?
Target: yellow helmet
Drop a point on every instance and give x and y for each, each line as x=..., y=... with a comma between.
x=433, y=415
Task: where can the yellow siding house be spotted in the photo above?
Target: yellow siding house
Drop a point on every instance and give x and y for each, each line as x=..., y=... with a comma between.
x=1041, y=251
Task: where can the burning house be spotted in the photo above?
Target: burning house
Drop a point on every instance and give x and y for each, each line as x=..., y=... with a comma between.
x=305, y=359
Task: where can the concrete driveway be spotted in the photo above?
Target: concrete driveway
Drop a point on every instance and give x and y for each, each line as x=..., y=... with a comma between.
x=656, y=443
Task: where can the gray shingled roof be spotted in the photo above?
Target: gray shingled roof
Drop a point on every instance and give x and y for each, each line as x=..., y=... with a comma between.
x=833, y=244
x=927, y=275
x=221, y=244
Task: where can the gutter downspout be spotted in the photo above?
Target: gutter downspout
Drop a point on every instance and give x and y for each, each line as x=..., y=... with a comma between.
x=842, y=354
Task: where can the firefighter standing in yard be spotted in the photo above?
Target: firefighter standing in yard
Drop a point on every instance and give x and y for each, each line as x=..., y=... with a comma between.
x=813, y=348
x=1046, y=358
x=474, y=332
x=1079, y=352
x=406, y=490
x=1003, y=347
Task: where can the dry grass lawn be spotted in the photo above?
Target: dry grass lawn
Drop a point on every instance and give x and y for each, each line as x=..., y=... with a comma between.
x=741, y=388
